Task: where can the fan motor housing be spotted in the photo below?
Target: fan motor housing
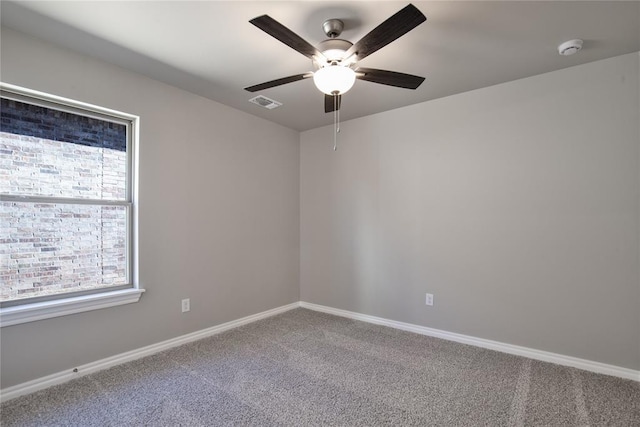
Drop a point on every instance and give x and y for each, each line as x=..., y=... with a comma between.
x=334, y=49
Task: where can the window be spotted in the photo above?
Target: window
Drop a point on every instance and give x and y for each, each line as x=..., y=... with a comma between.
x=67, y=207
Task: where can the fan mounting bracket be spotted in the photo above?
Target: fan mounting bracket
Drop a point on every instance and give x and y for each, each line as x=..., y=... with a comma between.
x=333, y=28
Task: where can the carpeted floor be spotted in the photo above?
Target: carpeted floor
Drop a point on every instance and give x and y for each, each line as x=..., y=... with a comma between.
x=304, y=368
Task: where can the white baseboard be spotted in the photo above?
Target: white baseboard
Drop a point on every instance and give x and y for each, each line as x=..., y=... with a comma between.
x=64, y=376
x=545, y=356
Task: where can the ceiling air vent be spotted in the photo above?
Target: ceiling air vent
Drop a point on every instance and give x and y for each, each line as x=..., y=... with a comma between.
x=265, y=102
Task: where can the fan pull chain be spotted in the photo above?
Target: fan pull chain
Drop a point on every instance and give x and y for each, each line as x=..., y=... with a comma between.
x=336, y=121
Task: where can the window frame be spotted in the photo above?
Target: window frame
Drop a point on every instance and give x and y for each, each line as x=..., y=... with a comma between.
x=42, y=307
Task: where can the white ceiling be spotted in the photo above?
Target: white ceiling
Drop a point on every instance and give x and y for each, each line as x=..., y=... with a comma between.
x=209, y=47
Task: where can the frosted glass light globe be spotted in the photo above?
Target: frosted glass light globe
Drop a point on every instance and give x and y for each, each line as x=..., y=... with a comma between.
x=334, y=79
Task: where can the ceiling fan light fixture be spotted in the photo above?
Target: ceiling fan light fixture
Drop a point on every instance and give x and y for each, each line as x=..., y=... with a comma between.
x=334, y=79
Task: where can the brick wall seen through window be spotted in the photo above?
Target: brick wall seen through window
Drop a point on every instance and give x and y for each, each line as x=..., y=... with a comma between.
x=51, y=248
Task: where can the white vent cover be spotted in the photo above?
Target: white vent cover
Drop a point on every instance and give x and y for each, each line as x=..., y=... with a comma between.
x=265, y=102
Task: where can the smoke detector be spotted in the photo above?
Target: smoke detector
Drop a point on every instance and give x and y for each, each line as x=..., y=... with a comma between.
x=570, y=47
x=265, y=102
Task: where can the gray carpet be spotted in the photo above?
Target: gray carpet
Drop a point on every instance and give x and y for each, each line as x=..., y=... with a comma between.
x=304, y=368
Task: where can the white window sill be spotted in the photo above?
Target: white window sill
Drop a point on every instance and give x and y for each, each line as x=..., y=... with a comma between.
x=61, y=307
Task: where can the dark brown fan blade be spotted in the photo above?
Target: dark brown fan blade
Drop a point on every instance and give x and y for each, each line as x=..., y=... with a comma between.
x=391, y=78
x=278, y=82
x=329, y=103
x=396, y=26
x=285, y=35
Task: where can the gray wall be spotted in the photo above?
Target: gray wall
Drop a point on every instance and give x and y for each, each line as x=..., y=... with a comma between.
x=515, y=205
x=219, y=214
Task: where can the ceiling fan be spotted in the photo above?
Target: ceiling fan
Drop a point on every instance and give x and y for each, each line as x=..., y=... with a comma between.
x=335, y=60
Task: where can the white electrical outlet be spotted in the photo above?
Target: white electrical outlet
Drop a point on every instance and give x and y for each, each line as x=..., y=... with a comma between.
x=186, y=305
x=429, y=299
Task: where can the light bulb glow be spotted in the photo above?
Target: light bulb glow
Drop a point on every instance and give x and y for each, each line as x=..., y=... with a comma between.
x=334, y=79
